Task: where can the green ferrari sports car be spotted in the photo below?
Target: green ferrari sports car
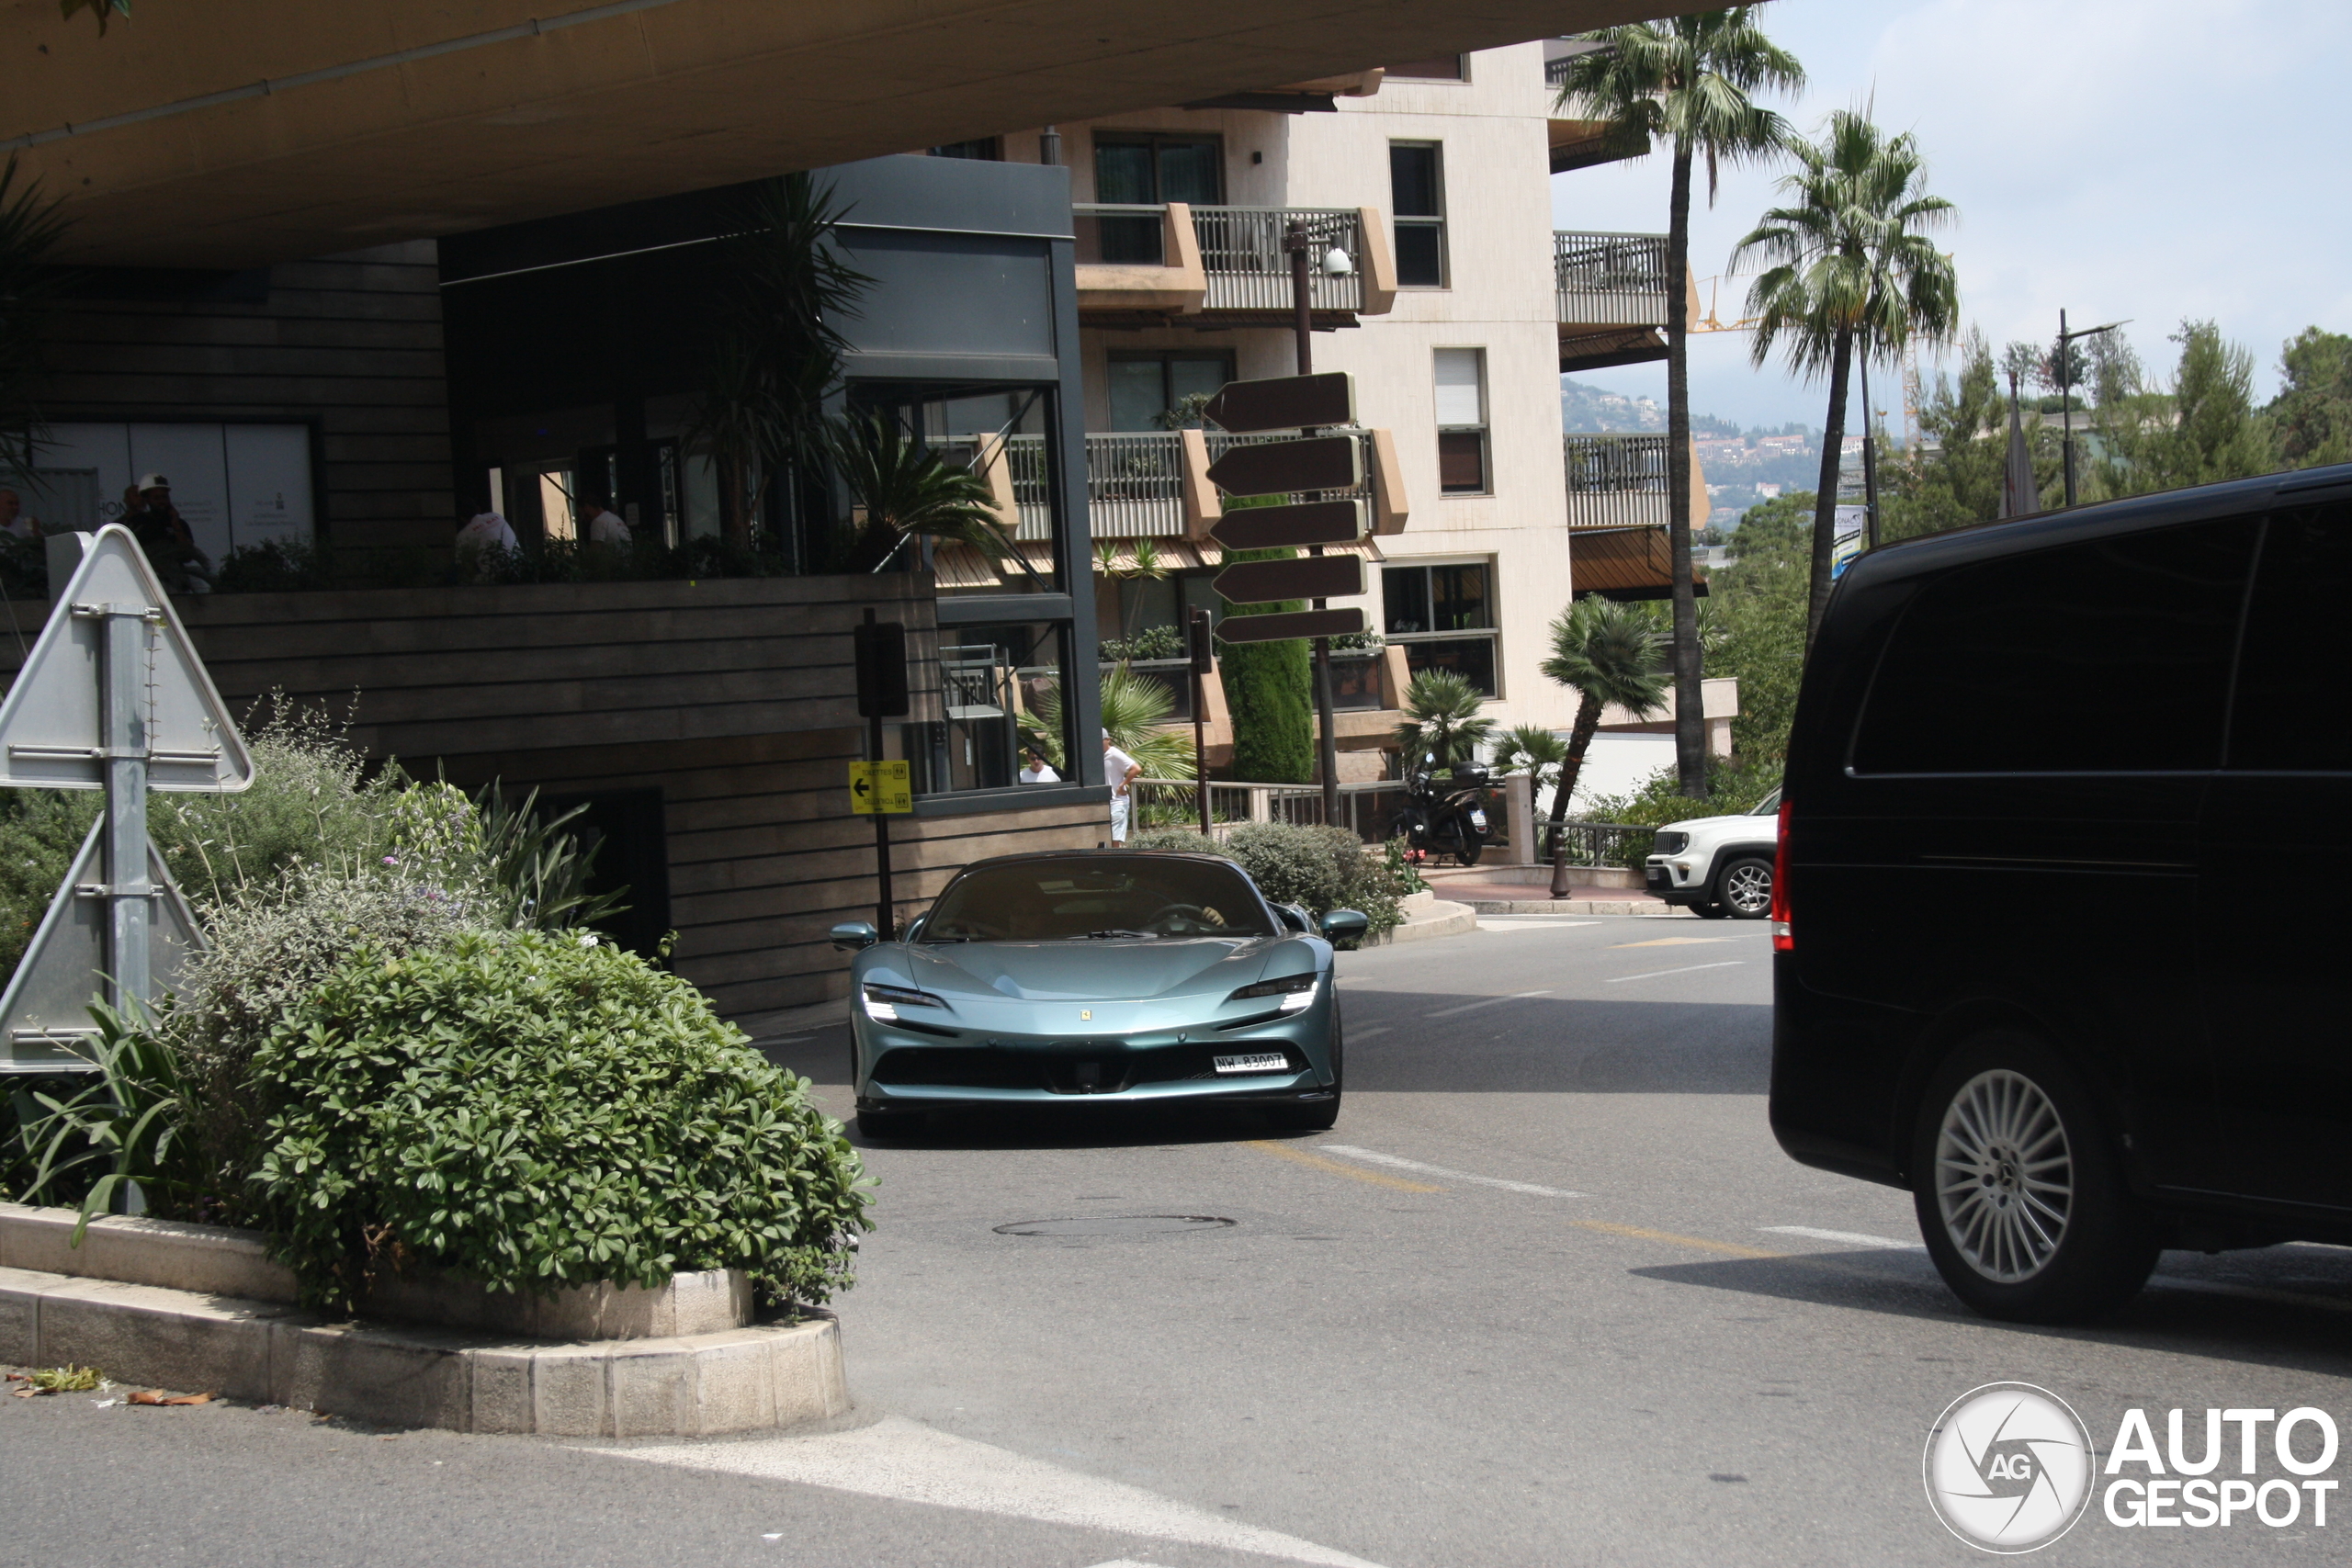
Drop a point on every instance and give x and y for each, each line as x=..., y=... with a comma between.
x=1120, y=976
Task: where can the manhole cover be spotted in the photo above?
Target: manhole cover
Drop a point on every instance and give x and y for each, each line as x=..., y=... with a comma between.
x=1115, y=1225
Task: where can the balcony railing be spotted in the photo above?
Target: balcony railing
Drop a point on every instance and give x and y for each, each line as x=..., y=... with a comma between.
x=1616, y=480
x=1135, y=481
x=1241, y=251
x=1609, y=280
x=1242, y=254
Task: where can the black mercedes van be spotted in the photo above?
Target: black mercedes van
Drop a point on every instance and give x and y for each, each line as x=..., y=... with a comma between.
x=2062, y=906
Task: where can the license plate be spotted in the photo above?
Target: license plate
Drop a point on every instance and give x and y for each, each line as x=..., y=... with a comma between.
x=1265, y=1062
x=1478, y=820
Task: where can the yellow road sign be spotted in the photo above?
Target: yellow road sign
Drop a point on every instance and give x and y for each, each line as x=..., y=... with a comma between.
x=887, y=787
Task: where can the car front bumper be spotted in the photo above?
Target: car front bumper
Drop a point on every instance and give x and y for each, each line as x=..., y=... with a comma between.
x=903, y=1069
x=1662, y=880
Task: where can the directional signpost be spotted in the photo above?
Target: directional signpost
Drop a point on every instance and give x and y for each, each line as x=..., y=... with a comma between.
x=887, y=788
x=1304, y=403
x=112, y=697
x=877, y=788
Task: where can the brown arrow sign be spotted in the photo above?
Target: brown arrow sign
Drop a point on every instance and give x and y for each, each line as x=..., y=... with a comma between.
x=1309, y=576
x=1284, y=402
x=1297, y=624
x=1287, y=527
x=1277, y=467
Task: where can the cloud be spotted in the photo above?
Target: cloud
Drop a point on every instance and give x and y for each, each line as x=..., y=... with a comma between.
x=2150, y=159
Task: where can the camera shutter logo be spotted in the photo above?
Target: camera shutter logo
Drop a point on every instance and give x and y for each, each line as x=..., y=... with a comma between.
x=2009, y=1467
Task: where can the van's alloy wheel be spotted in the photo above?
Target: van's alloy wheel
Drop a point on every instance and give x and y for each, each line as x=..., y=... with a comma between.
x=2020, y=1185
x=2004, y=1175
x=1746, y=888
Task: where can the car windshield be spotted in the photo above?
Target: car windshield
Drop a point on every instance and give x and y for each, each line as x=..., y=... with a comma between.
x=1768, y=805
x=1134, y=896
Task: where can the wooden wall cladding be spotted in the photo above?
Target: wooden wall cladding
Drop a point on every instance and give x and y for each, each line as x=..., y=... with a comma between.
x=735, y=698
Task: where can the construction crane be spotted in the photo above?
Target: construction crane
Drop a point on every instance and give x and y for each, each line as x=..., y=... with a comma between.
x=1711, y=322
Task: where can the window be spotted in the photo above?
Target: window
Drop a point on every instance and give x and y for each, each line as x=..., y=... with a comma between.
x=2287, y=684
x=1462, y=422
x=2112, y=656
x=994, y=684
x=1428, y=608
x=1416, y=200
x=1151, y=171
x=1444, y=68
x=1146, y=387
x=986, y=148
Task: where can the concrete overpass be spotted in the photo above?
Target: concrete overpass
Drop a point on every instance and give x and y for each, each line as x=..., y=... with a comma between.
x=228, y=133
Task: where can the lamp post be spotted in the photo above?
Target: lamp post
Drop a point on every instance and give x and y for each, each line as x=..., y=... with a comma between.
x=1299, y=241
x=2066, y=390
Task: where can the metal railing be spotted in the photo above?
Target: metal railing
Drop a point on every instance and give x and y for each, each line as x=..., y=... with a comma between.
x=1599, y=843
x=1134, y=484
x=1368, y=810
x=1241, y=250
x=1609, y=280
x=1615, y=480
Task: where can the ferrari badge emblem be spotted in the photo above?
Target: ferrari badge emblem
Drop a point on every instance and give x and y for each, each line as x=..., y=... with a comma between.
x=1084, y=1015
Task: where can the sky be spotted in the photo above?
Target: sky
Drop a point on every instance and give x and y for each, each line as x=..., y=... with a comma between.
x=2143, y=159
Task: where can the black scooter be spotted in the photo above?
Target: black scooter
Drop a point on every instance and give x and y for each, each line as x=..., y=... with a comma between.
x=1445, y=818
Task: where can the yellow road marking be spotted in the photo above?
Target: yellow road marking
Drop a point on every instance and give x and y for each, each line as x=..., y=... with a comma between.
x=1301, y=1157
x=1725, y=1249
x=1673, y=942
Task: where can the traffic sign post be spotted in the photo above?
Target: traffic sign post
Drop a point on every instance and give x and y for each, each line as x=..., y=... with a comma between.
x=1313, y=577
x=1277, y=467
x=1284, y=402
x=112, y=697
x=880, y=651
x=1292, y=624
x=1290, y=528
x=1202, y=649
x=884, y=789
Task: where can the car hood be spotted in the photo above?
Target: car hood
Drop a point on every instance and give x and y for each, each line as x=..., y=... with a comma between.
x=1737, y=821
x=1109, y=970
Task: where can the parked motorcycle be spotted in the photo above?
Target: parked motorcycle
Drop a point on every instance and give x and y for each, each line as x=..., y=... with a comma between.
x=1444, y=817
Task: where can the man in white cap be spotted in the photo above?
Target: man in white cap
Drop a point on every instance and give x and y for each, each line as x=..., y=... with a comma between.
x=1120, y=772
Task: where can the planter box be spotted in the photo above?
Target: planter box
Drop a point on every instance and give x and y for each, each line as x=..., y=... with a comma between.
x=219, y=1261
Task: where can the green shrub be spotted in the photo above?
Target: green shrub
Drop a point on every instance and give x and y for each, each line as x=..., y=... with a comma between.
x=39, y=831
x=1269, y=690
x=1731, y=788
x=1320, y=868
x=539, y=1109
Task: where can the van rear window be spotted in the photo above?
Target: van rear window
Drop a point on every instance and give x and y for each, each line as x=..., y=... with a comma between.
x=2111, y=656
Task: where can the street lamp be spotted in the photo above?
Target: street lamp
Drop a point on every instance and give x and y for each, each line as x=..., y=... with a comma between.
x=2066, y=389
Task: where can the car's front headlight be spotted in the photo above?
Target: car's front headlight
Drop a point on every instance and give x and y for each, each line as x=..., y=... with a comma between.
x=1297, y=991
x=884, y=1001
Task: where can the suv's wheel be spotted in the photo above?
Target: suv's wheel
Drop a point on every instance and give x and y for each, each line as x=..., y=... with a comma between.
x=1745, y=887
x=2018, y=1192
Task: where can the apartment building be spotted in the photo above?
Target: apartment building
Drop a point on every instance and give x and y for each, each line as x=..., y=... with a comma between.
x=1442, y=287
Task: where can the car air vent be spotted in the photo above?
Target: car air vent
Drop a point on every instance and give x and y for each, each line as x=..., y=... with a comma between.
x=1671, y=843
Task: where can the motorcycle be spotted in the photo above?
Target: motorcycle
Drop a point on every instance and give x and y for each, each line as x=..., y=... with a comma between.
x=1447, y=817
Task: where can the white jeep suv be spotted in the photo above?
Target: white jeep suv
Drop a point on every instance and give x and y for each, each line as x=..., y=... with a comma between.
x=1718, y=866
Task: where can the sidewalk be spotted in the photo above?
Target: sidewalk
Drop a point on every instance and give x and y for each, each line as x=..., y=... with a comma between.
x=1511, y=890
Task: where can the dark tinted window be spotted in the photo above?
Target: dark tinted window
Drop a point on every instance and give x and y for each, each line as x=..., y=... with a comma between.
x=1063, y=900
x=2287, y=680
x=2103, y=657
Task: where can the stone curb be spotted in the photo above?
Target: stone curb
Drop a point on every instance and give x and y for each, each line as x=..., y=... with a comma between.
x=740, y=1381
x=1434, y=918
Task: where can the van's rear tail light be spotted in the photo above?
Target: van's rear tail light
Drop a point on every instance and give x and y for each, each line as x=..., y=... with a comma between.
x=1782, y=942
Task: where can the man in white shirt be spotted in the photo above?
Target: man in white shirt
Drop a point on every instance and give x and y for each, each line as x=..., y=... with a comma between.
x=603, y=525
x=1120, y=772
x=485, y=531
x=1035, y=769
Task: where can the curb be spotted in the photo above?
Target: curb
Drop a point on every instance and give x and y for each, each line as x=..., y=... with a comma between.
x=1434, y=918
x=740, y=1381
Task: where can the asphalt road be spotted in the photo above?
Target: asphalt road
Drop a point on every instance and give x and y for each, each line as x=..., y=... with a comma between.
x=1548, y=1293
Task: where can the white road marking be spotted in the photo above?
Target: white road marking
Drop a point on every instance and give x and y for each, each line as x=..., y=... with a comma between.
x=1490, y=1001
x=1852, y=1239
x=910, y=1463
x=1527, y=922
x=1654, y=974
x=1375, y=1157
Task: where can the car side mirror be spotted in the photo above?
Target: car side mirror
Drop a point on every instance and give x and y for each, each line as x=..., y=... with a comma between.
x=851, y=936
x=1339, y=925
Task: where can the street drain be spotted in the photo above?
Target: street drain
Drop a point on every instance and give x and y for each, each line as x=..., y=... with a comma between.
x=1115, y=1225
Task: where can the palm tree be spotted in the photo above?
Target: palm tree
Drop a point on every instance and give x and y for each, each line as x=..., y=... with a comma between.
x=1689, y=81
x=1441, y=719
x=1610, y=655
x=1535, y=750
x=29, y=230
x=905, y=488
x=760, y=410
x=1850, y=269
